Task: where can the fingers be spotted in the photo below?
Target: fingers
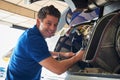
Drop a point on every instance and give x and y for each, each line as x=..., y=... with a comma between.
x=80, y=54
x=69, y=54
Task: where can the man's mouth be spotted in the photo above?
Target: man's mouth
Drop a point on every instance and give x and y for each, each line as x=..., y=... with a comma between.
x=50, y=33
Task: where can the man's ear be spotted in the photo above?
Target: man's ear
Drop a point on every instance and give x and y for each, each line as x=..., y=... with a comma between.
x=38, y=22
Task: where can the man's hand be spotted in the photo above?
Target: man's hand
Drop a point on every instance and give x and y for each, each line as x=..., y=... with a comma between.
x=67, y=54
x=80, y=54
x=62, y=54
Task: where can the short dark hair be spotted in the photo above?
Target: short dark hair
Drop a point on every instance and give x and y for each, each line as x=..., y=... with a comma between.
x=48, y=10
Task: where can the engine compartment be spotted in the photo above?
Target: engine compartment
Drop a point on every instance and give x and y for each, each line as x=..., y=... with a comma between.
x=101, y=39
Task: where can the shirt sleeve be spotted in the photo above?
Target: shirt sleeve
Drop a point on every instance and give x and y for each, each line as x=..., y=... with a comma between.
x=38, y=48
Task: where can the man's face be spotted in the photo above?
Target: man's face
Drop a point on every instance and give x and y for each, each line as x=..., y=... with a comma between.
x=48, y=26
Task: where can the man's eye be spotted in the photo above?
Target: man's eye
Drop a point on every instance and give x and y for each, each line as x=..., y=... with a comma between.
x=48, y=23
x=55, y=25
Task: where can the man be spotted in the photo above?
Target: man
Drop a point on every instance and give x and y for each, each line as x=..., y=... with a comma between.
x=31, y=51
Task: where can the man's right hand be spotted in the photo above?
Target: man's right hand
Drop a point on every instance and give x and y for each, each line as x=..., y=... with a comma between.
x=80, y=54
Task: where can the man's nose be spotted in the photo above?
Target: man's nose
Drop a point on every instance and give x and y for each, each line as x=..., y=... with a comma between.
x=53, y=28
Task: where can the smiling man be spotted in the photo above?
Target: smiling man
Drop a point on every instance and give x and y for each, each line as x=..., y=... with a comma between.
x=31, y=53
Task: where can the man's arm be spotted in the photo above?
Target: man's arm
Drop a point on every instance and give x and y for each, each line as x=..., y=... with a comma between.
x=60, y=67
x=62, y=54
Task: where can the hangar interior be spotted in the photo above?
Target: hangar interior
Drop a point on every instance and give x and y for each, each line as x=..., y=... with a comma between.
x=101, y=36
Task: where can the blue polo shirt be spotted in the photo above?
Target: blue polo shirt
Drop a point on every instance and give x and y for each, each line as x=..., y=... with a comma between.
x=30, y=49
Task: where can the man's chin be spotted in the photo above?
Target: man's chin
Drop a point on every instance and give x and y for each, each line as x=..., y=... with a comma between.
x=49, y=36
